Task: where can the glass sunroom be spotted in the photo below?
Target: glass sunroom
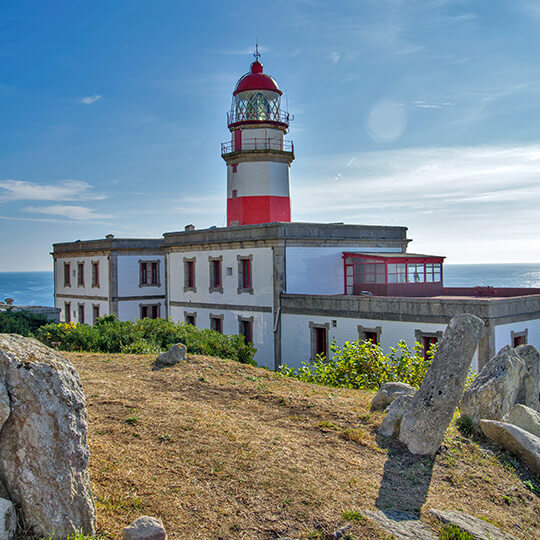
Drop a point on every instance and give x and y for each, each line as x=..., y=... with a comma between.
x=393, y=274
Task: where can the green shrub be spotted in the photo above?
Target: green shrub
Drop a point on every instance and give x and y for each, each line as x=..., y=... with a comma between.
x=362, y=364
x=22, y=322
x=465, y=425
x=452, y=532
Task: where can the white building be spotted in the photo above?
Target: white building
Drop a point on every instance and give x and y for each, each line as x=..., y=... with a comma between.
x=290, y=288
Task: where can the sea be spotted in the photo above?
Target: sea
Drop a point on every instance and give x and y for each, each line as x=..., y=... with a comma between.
x=36, y=288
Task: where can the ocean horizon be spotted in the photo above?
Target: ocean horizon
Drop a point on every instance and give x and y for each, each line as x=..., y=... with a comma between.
x=37, y=288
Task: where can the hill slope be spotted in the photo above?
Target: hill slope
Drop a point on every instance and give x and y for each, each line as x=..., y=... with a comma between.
x=219, y=449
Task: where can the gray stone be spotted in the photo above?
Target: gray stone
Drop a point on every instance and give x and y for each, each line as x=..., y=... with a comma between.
x=392, y=421
x=493, y=393
x=432, y=407
x=516, y=440
x=529, y=390
x=402, y=525
x=176, y=354
x=478, y=528
x=145, y=528
x=8, y=520
x=43, y=445
x=5, y=408
x=388, y=392
x=525, y=418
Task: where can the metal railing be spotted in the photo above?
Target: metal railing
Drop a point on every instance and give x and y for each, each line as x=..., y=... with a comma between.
x=257, y=144
x=280, y=116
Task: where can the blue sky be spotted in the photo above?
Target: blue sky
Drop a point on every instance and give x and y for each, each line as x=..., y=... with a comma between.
x=417, y=113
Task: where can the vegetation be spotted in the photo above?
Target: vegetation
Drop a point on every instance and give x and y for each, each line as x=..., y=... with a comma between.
x=22, y=322
x=362, y=364
x=146, y=336
x=451, y=532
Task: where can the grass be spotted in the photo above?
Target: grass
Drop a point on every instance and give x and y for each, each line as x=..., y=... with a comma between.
x=226, y=450
x=451, y=532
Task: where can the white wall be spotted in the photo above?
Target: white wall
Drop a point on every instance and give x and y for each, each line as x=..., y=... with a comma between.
x=128, y=276
x=255, y=178
x=87, y=290
x=319, y=270
x=262, y=328
x=130, y=310
x=261, y=270
x=88, y=311
x=503, y=333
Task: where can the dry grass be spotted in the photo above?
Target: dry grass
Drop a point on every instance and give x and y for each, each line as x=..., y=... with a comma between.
x=222, y=450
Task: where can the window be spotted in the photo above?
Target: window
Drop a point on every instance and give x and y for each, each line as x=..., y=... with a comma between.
x=216, y=323
x=397, y=273
x=149, y=274
x=67, y=276
x=190, y=318
x=245, y=274
x=95, y=273
x=415, y=273
x=234, y=169
x=149, y=311
x=427, y=339
x=189, y=275
x=370, y=334
x=95, y=313
x=80, y=274
x=519, y=338
x=234, y=193
x=81, y=313
x=215, y=274
x=372, y=272
x=67, y=312
x=245, y=328
x=433, y=272
x=319, y=339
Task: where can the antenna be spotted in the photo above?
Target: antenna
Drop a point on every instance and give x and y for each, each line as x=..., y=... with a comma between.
x=257, y=54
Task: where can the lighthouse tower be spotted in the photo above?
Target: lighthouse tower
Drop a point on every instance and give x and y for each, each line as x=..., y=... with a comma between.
x=257, y=156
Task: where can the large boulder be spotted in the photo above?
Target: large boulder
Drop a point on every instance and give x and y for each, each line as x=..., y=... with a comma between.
x=43, y=446
x=529, y=389
x=388, y=392
x=8, y=520
x=525, y=418
x=176, y=354
x=494, y=392
x=432, y=407
x=145, y=528
x=392, y=421
x=516, y=440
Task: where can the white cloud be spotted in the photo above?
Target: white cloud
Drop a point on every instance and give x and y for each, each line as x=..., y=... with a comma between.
x=78, y=213
x=88, y=100
x=67, y=190
x=421, y=104
x=335, y=57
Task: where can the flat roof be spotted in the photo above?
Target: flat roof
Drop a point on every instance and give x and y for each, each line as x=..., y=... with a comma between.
x=395, y=255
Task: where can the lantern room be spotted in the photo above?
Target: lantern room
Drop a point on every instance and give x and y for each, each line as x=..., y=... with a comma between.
x=393, y=274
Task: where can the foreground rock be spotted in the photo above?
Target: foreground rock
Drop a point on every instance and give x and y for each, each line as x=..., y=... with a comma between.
x=529, y=390
x=525, y=418
x=388, y=393
x=478, y=528
x=43, y=446
x=432, y=407
x=401, y=525
x=145, y=528
x=494, y=392
x=392, y=421
x=175, y=355
x=518, y=441
x=8, y=520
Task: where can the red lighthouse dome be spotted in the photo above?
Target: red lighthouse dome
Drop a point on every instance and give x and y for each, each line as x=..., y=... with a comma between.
x=256, y=80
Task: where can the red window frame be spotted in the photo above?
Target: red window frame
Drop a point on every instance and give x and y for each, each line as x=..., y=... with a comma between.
x=321, y=340
x=81, y=314
x=144, y=312
x=155, y=312
x=246, y=273
x=144, y=274
x=246, y=331
x=190, y=274
x=371, y=336
x=154, y=274
x=95, y=274
x=80, y=274
x=67, y=275
x=216, y=323
x=216, y=274
x=427, y=342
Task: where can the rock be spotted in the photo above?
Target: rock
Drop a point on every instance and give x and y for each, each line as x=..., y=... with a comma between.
x=493, y=393
x=529, y=391
x=392, y=421
x=478, y=528
x=525, y=418
x=432, y=407
x=8, y=520
x=145, y=528
x=176, y=354
x=5, y=408
x=388, y=392
x=518, y=441
x=401, y=525
x=43, y=446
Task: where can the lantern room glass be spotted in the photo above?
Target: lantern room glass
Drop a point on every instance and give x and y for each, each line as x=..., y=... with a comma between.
x=258, y=105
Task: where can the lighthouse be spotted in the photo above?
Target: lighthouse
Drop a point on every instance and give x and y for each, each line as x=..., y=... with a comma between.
x=257, y=156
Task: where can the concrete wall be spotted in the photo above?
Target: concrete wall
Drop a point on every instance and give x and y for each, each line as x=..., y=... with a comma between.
x=128, y=276
x=319, y=270
x=130, y=310
x=87, y=289
x=503, y=333
x=88, y=305
x=256, y=178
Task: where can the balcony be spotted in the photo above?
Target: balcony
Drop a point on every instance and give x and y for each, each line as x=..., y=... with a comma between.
x=257, y=145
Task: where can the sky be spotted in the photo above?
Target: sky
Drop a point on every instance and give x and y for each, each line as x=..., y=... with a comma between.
x=423, y=114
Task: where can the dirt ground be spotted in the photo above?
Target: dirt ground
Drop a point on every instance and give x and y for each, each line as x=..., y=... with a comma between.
x=217, y=449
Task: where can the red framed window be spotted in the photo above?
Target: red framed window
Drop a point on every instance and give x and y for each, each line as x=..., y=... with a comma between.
x=428, y=341
x=154, y=273
x=155, y=312
x=67, y=275
x=216, y=274
x=144, y=274
x=95, y=274
x=371, y=336
x=95, y=314
x=246, y=330
x=80, y=274
x=81, y=313
x=234, y=193
x=190, y=319
x=321, y=340
x=144, y=312
x=149, y=273
x=190, y=274
x=216, y=323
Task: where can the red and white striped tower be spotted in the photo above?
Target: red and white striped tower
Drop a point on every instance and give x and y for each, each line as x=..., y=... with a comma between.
x=257, y=157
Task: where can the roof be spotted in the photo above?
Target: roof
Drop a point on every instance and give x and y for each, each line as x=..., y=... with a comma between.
x=393, y=255
x=256, y=80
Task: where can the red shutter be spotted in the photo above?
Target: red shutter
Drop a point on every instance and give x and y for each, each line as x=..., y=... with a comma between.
x=154, y=273
x=143, y=274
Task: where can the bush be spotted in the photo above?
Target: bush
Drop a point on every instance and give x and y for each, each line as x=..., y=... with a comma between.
x=146, y=336
x=362, y=364
x=22, y=322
